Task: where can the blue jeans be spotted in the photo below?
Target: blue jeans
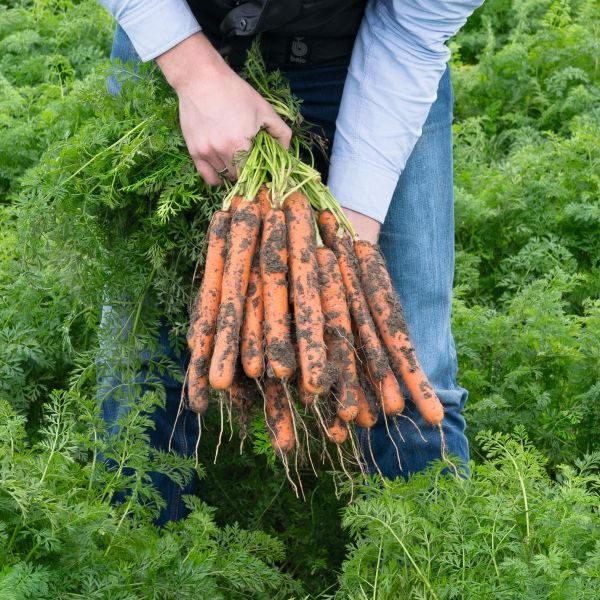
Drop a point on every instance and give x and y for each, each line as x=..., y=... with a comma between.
x=417, y=240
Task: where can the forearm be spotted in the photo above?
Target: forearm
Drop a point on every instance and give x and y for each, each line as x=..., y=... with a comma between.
x=398, y=60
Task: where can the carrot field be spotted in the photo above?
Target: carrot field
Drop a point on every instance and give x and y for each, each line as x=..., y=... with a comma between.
x=99, y=199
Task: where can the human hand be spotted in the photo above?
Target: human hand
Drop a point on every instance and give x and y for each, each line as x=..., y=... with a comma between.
x=366, y=227
x=219, y=112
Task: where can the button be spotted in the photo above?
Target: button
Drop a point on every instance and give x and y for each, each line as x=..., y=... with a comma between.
x=243, y=23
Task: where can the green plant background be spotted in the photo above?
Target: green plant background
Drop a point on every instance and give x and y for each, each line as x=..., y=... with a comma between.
x=98, y=199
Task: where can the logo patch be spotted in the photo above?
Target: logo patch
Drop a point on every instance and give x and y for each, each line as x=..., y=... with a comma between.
x=299, y=51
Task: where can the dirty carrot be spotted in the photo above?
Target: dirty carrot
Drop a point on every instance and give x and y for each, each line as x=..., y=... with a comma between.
x=251, y=346
x=305, y=292
x=367, y=334
x=279, y=417
x=205, y=312
x=388, y=393
x=243, y=237
x=338, y=430
x=264, y=200
x=273, y=270
x=338, y=332
x=387, y=312
x=367, y=407
x=306, y=398
x=235, y=202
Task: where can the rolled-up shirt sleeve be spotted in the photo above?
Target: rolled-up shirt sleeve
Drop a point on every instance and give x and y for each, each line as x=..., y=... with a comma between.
x=153, y=26
x=398, y=59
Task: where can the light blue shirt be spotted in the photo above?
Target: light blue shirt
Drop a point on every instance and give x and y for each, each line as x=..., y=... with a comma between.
x=398, y=59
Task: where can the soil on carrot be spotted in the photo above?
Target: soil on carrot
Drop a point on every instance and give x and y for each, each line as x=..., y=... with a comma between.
x=277, y=241
x=376, y=273
x=282, y=351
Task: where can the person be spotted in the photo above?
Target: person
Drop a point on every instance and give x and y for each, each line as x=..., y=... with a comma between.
x=373, y=75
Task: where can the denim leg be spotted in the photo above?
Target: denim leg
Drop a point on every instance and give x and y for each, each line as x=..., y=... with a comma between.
x=114, y=399
x=417, y=241
x=124, y=58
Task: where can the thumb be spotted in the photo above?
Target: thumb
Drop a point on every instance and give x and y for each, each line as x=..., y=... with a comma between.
x=276, y=127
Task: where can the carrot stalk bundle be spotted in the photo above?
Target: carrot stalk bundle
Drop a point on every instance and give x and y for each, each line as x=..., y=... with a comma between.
x=387, y=313
x=367, y=334
x=273, y=269
x=305, y=293
x=338, y=332
x=206, y=309
x=251, y=345
x=276, y=312
x=242, y=243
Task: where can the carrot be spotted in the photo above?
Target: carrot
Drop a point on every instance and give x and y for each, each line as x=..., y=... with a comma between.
x=242, y=243
x=367, y=334
x=251, y=346
x=235, y=202
x=206, y=309
x=306, y=398
x=367, y=408
x=387, y=312
x=264, y=200
x=338, y=430
x=305, y=293
x=243, y=391
x=279, y=417
x=338, y=332
x=273, y=270
x=388, y=393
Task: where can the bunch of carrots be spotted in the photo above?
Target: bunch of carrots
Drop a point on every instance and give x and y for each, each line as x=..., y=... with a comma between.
x=296, y=318
x=295, y=314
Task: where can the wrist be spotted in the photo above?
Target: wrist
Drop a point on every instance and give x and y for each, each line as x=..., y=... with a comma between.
x=195, y=57
x=367, y=228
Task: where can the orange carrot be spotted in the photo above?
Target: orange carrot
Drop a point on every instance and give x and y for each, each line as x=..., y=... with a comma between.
x=306, y=398
x=235, y=202
x=338, y=430
x=264, y=200
x=206, y=309
x=273, y=269
x=367, y=408
x=387, y=312
x=243, y=391
x=279, y=417
x=305, y=293
x=243, y=237
x=251, y=346
x=338, y=332
x=388, y=393
x=367, y=334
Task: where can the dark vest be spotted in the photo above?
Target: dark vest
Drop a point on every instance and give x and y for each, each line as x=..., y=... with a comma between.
x=294, y=33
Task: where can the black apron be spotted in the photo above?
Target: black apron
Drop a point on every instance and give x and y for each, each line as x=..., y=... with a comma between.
x=294, y=33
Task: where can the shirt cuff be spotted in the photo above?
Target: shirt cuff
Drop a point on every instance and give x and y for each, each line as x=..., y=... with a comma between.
x=158, y=26
x=362, y=187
